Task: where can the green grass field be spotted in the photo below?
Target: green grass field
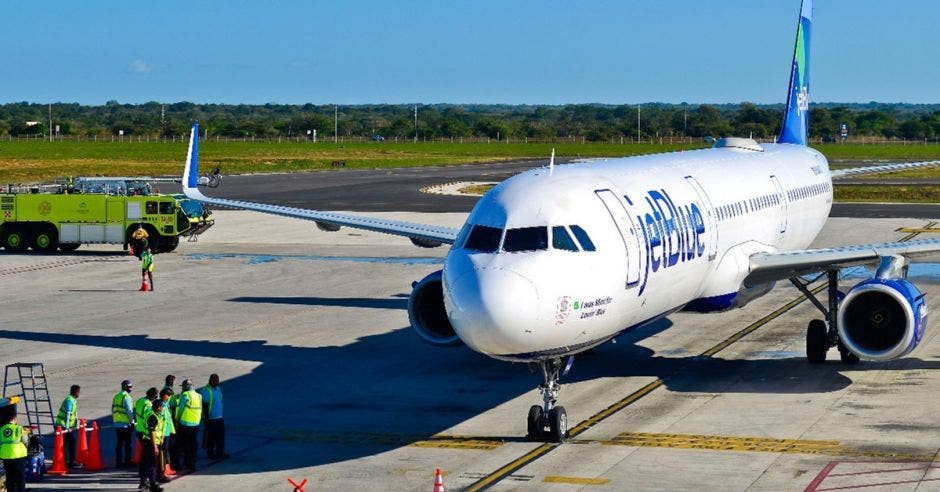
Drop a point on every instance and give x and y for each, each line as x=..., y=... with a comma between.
x=30, y=161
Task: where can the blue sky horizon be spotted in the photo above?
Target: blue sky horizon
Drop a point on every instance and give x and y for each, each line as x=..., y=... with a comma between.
x=370, y=52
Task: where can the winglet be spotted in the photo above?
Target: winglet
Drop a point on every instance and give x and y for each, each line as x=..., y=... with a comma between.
x=796, y=117
x=191, y=171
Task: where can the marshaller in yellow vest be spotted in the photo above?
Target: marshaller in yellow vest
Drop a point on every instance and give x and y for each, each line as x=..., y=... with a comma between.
x=188, y=414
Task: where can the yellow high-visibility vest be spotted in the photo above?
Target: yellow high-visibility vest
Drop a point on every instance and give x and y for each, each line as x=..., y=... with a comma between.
x=11, y=442
x=118, y=410
x=191, y=413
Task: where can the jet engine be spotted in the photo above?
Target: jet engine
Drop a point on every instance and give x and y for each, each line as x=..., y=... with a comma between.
x=427, y=313
x=882, y=318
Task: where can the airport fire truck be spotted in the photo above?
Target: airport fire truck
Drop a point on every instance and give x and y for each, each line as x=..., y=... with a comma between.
x=45, y=218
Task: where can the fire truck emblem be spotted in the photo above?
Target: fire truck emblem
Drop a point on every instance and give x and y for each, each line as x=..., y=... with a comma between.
x=45, y=208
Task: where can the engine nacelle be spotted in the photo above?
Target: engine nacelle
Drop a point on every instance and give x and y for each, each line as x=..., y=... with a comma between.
x=427, y=313
x=882, y=319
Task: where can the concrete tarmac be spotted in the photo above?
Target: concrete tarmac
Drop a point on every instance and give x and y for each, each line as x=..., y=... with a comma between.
x=325, y=381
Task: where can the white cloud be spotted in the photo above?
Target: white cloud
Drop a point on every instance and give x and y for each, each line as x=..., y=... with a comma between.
x=140, y=66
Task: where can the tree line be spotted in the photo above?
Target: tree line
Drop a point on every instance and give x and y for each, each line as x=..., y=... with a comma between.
x=594, y=122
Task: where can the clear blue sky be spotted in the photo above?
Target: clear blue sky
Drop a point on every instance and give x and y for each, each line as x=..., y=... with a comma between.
x=548, y=52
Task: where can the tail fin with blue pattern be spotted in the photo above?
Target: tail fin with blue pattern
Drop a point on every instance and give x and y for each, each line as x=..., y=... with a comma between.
x=796, y=117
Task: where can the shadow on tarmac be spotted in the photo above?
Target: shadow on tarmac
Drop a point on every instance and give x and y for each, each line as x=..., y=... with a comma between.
x=353, y=302
x=321, y=405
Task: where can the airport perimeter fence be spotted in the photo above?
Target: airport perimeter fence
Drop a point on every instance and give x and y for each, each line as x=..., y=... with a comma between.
x=623, y=140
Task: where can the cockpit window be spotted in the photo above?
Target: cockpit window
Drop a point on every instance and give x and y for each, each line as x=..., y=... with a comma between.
x=562, y=240
x=484, y=239
x=583, y=238
x=526, y=239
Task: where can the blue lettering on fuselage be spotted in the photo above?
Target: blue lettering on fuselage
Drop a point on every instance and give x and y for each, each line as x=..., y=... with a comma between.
x=673, y=233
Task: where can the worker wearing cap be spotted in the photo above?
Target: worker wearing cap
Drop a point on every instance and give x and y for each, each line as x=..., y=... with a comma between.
x=188, y=414
x=169, y=429
x=12, y=449
x=150, y=435
x=122, y=414
x=67, y=419
x=212, y=414
x=170, y=409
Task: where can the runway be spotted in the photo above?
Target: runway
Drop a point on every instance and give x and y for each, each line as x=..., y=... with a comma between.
x=324, y=380
x=398, y=189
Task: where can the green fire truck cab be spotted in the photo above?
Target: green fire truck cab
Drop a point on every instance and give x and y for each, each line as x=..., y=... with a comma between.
x=94, y=211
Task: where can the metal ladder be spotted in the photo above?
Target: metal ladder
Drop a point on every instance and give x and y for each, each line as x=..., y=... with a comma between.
x=29, y=381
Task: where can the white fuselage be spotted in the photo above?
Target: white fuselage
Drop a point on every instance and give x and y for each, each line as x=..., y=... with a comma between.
x=670, y=231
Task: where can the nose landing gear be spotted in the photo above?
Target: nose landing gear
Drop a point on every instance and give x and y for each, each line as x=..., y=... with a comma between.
x=548, y=421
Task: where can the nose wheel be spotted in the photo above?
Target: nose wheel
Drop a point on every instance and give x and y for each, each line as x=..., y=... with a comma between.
x=548, y=422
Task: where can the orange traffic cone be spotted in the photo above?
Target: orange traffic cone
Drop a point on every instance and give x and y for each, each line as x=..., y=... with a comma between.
x=144, y=284
x=136, y=459
x=93, y=458
x=438, y=481
x=58, y=456
x=82, y=454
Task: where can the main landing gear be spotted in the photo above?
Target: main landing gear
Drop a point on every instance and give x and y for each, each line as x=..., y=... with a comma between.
x=821, y=335
x=548, y=421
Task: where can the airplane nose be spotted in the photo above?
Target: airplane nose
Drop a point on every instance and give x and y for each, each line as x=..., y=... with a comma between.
x=492, y=309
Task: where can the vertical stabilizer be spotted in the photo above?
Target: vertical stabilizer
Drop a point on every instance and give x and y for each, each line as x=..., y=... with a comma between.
x=796, y=117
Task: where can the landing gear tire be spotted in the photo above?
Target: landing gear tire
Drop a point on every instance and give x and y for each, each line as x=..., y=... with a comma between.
x=558, y=424
x=847, y=356
x=817, y=341
x=536, y=423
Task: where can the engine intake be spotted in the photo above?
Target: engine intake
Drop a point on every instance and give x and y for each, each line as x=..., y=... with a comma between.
x=882, y=319
x=427, y=313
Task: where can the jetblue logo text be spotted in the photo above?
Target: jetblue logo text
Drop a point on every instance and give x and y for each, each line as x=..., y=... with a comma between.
x=673, y=233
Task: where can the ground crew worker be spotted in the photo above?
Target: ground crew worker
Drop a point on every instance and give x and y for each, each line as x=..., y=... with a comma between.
x=67, y=419
x=12, y=448
x=188, y=414
x=139, y=240
x=140, y=406
x=122, y=414
x=212, y=413
x=146, y=266
x=150, y=435
x=168, y=431
x=170, y=405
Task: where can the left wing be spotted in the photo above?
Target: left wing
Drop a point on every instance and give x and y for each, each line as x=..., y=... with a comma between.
x=884, y=168
x=420, y=234
x=769, y=267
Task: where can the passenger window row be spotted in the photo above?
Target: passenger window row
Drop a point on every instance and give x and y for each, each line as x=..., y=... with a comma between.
x=486, y=239
x=809, y=191
x=742, y=207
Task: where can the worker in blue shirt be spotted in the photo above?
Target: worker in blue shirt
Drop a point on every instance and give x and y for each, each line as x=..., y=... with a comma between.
x=212, y=415
x=67, y=419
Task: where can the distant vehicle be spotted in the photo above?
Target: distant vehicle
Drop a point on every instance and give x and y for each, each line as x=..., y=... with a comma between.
x=378, y=138
x=709, y=139
x=96, y=211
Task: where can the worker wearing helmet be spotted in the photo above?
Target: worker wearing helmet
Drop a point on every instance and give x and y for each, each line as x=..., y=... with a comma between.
x=12, y=448
x=189, y=415
x=139, y=239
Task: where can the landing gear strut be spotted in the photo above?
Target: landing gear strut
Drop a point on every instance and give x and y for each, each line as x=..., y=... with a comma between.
x=548, y=421
x=821, y=335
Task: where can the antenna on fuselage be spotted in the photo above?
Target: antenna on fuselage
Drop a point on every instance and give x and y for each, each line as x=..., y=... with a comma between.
x=551, y=163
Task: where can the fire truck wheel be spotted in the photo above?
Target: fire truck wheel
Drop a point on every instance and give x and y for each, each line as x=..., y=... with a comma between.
x=45, y=239
x=15, y=239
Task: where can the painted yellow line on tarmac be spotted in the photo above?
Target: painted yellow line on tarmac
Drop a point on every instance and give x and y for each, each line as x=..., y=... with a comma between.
x=375, y=439
x=575, y=480
x=915, y=231
x=459, y=442
x=750, y=444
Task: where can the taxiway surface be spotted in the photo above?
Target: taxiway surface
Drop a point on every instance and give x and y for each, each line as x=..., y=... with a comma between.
x=324, y=380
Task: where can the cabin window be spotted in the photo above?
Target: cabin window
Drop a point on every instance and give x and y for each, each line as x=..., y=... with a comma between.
x=562, y=240
x=526, y=239
x=151, y=208
x=484, y=239
x=583, y=238
x=166, y=208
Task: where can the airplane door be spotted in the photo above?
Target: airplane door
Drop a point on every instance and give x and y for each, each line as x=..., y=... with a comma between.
x=708, y=215
x=782, y=208
x=628, y=233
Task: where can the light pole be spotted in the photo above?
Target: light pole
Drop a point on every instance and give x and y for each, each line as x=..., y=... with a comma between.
x=416, y=123
x=335, y=124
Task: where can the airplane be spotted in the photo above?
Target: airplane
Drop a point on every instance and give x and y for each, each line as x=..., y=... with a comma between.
x=556, y=261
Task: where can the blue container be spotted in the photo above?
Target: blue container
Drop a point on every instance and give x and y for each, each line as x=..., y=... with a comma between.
x=35, y=467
